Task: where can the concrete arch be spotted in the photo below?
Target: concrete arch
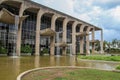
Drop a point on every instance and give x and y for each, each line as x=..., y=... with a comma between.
x=88, y=29
x=91, y=29
x=13, y=3
x=60, y=17
x=52, y=17
x=71, y=22
x=75, y=24
x=9, y=1
x=78, y=26
x=82, y=27
x=32, y=9
x=48, y=13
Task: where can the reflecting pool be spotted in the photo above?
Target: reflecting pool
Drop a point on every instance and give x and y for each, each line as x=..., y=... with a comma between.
x=10, y=68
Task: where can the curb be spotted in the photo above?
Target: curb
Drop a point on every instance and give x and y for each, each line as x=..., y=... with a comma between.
x=28, y=71
x=99, y=61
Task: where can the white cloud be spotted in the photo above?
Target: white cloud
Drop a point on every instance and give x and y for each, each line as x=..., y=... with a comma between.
x=48, y=1
x=107, y=1
x=111, y=34
x=104, y=13
x=115, y=13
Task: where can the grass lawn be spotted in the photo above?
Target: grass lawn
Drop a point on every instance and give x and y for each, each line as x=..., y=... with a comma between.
x=100, y=57
x=71, y=74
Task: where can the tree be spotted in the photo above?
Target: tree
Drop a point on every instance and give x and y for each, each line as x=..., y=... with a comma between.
x=114, y=43
x=97, y=46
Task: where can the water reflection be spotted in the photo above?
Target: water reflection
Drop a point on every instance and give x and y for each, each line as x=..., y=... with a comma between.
x=37, y=64
x=11, y=67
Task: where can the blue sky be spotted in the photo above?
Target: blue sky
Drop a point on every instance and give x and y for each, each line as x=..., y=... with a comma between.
x=102, y=13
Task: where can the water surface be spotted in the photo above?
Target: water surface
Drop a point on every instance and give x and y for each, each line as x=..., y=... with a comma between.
x=10, y=68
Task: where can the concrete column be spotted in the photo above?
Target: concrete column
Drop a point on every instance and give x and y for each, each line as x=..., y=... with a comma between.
x=52, y=38
x=101, y=44
x=87, y=45
x=81, y=45
x=88, y=41
x=74, y=38
x=64, y=39
x=93, y=39
x=18, y=43
x=82, y=40
x=38, y=25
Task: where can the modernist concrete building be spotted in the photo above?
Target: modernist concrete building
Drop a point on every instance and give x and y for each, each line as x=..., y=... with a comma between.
x=24, y=22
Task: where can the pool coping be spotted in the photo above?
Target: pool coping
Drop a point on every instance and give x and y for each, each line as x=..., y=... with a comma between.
x=99, y=61
x=31, y=70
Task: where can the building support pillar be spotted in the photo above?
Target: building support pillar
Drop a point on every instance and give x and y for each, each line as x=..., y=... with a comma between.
x=87, y=45
x=74, y=38
x=81, y=45
x=93, y=39
x=82, y=40
x=88, y=41
x=64, y=39
x=38, y=25
x=101, y=44
x=19, y=33
x=52, y=38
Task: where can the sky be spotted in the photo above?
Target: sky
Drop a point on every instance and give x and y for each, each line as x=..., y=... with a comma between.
x=102, y=13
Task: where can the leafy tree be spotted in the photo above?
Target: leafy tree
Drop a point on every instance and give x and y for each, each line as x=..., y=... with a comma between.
x=97, y=46
x=114, y=42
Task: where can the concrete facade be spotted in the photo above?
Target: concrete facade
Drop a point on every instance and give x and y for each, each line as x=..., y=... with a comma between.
x=41, y=10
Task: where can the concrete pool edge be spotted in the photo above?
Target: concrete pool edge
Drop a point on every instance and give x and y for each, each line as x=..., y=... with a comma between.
x=31, y=70
x=99, y=61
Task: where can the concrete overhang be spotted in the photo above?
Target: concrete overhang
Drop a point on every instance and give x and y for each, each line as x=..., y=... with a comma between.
x=82, y=34
x=97, y=28
x=8, y=17
x=94, y=41
x=62, y=44
x=47, y=32
x=14, y=3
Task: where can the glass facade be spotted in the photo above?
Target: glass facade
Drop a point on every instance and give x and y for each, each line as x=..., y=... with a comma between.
x=59, y=35
x=29, y=30
x=78, y=40
x=59, y=28
x=45, y=22
x=69, y=33
x=8, y=33
x=45, y=40
x=85, y=29
x=69, y=38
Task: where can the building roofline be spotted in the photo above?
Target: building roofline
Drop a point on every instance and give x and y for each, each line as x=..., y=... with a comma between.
x=38, y=4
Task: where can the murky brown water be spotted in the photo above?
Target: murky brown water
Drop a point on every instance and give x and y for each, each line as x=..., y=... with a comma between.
x=10, y=68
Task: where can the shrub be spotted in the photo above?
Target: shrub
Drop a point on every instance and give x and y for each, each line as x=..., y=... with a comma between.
x=118, y=67
x=26, y=49
x=3, y=50
x=45, y=50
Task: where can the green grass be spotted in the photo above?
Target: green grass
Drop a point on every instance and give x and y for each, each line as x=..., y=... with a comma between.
x=101, y=57
x=72, y=74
